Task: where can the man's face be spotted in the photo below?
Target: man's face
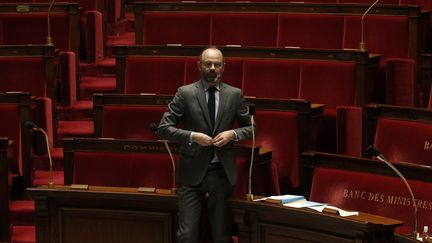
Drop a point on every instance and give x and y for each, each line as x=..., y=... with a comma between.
x=211, y=66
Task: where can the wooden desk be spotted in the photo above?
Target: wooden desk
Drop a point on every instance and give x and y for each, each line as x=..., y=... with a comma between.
x=108, y=214
x=103, y=214
x=261, y=222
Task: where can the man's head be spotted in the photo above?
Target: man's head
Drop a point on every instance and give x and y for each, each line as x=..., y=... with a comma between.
x=211, y=65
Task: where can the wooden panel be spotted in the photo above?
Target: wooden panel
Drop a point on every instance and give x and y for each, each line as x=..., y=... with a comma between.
x=89, y=225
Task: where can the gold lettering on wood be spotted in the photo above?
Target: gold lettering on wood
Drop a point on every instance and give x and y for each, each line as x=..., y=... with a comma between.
x=376, y=197
x=427, y=145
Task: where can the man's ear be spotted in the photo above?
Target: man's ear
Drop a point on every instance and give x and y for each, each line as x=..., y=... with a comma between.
x=199, y=65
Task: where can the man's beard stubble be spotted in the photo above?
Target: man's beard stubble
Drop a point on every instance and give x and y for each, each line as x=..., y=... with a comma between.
x=212, y=78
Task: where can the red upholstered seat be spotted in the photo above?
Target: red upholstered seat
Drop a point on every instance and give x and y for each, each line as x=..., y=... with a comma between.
x=247, y=29
x=373, y=193
x=406, y=141
x=192, y=73
x=14, y=79
x=10, y=127
x=233, y=73
x=42, y=177
x=332, y=84
x=22, y=212
x=272, y=79
x=186, y=29
x=130, y=122
x=370, y=1
x=310, y=30
x=140, y=169
x=36, y=22
x=23, y=234
x=349, y=130
x=387, y=35
x=283, y=141
x=154, y=75
x=400, y=79
x=319, y=79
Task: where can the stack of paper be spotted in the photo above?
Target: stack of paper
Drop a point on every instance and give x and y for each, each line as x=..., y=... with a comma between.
x=297, y=201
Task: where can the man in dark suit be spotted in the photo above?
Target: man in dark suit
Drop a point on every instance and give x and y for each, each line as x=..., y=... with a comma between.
x=207, y=110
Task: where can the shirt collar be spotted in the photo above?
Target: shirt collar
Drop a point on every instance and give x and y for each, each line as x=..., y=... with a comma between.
x=206, y=86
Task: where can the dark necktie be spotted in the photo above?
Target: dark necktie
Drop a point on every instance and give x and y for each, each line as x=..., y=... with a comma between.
x=211, y=103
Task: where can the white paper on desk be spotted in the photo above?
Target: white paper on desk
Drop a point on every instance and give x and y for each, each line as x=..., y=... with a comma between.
x=318, y=208
x=303, y=204
x=342, y=212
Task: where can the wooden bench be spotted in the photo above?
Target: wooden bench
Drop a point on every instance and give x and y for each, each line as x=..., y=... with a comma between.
x=107, y=162
x=129, y=117
x=309, y=74
x=394, y=31
x=370, y=186
x=26, y=23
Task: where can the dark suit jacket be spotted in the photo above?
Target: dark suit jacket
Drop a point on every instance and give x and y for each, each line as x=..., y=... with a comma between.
x=189, y=108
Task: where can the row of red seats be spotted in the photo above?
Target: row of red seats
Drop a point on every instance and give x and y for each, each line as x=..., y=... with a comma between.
x=109, y=109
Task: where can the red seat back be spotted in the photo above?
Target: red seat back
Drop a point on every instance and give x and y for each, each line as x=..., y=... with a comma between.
x=387, y=35
x=33, y=29
x=247, y=29
x=271, y=78
x=404, y=141
x=130, y=122
x=123, y=169
x=319, y=79
x=284, y=142
x=162, y=75
x=33, y=80
x=10, y=127
x=310, y=30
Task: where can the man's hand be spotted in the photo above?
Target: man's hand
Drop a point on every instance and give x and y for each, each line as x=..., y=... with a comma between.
x=223, y=138
x=202, y=139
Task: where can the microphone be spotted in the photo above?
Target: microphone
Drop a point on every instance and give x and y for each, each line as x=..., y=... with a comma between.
x=373, y=151
x=153, y=127
x=362, y=43
x=49, y=38
x=249, y=195
x=31, y=125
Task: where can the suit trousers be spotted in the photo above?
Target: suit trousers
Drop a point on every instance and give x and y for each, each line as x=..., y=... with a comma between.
x=191, y=202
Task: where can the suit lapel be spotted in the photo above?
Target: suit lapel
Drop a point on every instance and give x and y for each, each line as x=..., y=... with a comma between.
x=201, y=97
